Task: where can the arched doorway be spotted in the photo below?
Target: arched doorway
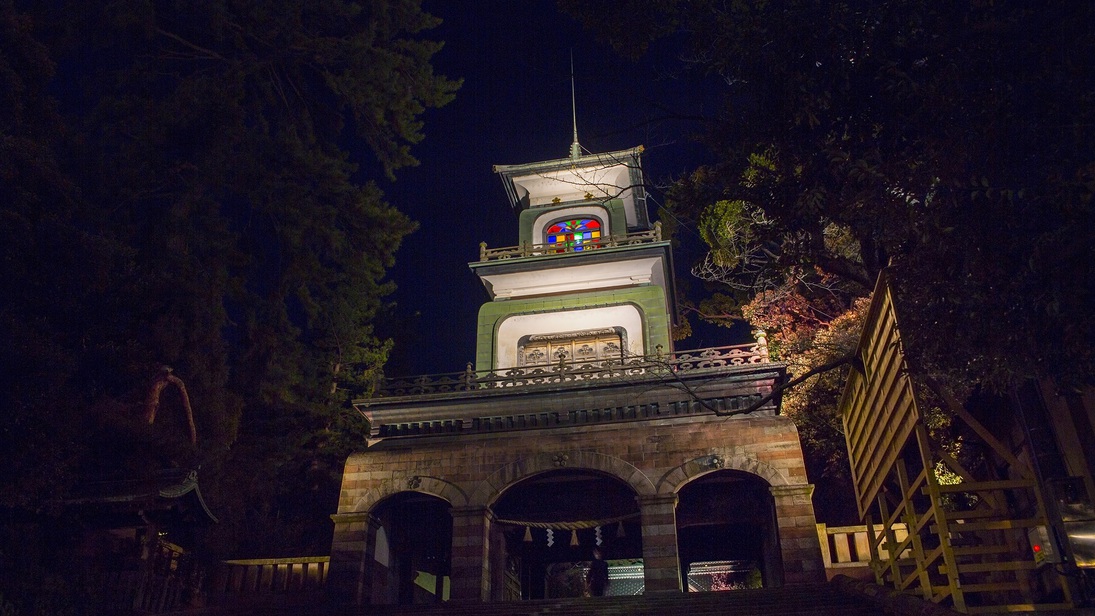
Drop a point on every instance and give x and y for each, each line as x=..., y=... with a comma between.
x=410, y=560
x=551, y=523
x=727, y=534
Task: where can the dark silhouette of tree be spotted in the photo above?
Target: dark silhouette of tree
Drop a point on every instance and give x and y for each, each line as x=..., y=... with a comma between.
x=953, y=143
x=192, y=184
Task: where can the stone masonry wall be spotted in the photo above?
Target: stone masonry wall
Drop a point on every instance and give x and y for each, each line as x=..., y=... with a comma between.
x=656, y=458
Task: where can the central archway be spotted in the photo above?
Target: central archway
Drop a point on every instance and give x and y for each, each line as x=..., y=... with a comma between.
x=550, y=524
x=727, y=533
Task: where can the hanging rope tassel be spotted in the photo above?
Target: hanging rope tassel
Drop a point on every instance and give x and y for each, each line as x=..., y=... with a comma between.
x=528, y=534
x=620, y=530
x=574, y=537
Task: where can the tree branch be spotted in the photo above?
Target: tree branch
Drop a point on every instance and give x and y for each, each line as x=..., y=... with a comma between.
x=725, y=316
x=152, y=403
x=208, y=53
x=851, y=358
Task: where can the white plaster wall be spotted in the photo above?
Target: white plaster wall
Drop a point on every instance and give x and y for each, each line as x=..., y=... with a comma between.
x=629, y=273
x=627, y=316
x=621, y=178
x=571, y=184
x=605, y=180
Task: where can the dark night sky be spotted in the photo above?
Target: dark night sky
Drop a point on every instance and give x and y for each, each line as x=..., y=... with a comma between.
x=514, y=107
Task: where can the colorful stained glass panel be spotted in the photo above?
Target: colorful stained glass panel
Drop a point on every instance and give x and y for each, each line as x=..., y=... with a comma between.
x=572, y=234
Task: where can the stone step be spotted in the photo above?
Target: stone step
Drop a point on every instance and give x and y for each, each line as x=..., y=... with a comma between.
x=805, y=600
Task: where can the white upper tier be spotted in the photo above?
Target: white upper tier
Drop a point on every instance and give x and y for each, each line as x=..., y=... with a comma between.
x=598, y=177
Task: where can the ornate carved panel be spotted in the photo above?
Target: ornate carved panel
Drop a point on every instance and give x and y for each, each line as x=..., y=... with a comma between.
x=588, y=346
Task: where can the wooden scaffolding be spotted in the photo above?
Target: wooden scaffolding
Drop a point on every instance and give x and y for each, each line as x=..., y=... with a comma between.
x=967, y=542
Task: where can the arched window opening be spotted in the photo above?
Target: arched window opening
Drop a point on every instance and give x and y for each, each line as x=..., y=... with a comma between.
x=574, y=234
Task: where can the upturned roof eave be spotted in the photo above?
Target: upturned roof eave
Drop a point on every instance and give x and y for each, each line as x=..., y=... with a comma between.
x=508, y=172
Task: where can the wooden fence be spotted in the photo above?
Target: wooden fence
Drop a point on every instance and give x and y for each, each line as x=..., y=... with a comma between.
x=235, y=579
x=847, y=549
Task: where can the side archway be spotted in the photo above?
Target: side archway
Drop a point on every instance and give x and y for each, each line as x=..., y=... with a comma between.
x=409, y=559
x=728, y=531
x=433, y=486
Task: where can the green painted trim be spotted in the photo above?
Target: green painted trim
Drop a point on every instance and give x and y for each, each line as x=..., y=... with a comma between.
x=649, y=299
x=617, y=218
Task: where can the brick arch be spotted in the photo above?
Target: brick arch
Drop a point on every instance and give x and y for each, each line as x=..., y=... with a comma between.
x=433, y=486
x=492, y=487
x=719, y=460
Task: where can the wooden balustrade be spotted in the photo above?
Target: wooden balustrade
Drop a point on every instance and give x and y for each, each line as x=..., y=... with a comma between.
x=261, y=576
x=848, y=547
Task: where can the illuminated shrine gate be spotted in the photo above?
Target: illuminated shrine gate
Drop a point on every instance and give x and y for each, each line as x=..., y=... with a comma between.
x=577, y=414
x=648, y=442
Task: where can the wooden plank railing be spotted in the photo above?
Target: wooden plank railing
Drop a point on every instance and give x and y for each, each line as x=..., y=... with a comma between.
x=845, y=547
x=262, y=576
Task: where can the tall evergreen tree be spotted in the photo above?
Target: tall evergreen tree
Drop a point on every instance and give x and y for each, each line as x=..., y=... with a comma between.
x=193, y=184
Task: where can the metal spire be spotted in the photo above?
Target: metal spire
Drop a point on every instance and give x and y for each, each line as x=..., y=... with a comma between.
x=575, y=149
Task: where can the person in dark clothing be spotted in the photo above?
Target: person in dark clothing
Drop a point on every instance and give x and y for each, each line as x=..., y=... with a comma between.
x=598, y=574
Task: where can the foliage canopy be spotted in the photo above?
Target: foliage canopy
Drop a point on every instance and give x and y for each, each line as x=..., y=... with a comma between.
x=951, y=142
x=189, y=184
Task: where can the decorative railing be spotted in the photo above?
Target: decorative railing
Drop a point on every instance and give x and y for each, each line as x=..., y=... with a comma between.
x=535, y=420
x=576, y=371
x=161, y=583
x=535, y=250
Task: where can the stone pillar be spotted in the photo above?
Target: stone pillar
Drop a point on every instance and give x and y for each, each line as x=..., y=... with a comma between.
x=497, y=559
x=661, y=563
x=470, y=561
x=350, y=573
x=798, y=540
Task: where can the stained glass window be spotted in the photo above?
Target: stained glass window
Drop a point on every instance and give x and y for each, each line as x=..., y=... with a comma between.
x=574, y=234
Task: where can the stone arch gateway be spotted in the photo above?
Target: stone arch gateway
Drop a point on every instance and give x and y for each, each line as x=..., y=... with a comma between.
x=645, y=431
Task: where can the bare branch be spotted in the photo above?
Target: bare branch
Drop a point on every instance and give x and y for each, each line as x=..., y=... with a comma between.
x=152, y=404
x=208, y=54
x=789, y=384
